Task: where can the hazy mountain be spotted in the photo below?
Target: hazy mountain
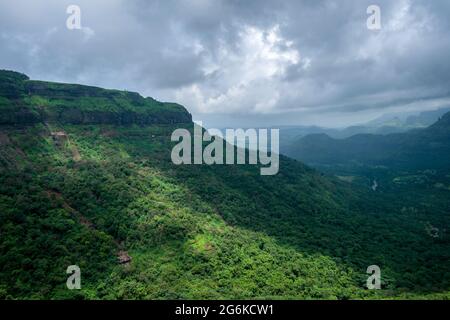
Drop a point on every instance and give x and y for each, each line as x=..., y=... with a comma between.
x=385, y=124
x=419, y=148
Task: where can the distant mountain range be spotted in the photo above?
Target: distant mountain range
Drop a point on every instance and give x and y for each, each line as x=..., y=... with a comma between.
x=385, y=124
x=418, y=148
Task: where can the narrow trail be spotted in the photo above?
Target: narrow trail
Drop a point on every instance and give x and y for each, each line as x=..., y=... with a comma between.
x=123, y=257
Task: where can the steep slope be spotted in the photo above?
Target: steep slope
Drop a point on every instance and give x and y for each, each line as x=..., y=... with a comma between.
x=97, y=194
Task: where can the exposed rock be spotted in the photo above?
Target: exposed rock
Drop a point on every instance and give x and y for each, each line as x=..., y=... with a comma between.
x=123, y=257
x=60, y=137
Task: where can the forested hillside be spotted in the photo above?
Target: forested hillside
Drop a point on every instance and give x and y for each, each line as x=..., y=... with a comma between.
x=95, y=187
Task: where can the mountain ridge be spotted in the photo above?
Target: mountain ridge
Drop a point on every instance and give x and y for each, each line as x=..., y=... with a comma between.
x=26, y=101
x=417, y=148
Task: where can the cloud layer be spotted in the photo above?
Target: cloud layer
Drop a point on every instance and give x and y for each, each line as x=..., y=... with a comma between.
x=252, y=62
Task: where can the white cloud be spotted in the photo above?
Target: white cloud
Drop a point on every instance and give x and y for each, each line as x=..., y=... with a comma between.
x=281, y=61
x=244, y=77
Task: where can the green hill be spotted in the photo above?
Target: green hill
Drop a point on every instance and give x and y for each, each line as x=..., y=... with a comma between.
x=23, y=101
x=86, y=179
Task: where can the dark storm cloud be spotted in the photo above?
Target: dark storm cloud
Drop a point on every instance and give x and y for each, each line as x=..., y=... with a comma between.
x=256, y=60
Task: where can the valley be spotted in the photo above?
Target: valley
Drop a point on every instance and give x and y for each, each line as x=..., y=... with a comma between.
x=195, y=232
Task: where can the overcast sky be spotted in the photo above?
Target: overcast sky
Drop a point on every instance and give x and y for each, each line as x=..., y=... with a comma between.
x=242, y=63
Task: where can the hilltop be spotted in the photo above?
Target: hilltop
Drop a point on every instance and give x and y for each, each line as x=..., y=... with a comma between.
x=24, y=101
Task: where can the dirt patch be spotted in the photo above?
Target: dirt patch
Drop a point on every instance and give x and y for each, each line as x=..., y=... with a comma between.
x=109, y=133
x=75, y=154
x=123, y=257
x=4, y=139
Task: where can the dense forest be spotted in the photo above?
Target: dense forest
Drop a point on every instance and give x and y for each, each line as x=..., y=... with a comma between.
x=96, y=188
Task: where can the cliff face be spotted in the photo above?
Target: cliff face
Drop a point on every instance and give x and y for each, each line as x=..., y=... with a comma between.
x=23, y=101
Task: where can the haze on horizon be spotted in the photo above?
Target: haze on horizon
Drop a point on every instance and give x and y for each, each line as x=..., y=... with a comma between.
x=253, y=63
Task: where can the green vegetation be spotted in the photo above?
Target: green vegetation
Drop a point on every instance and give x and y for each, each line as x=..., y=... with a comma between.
x=91, y=191
x=29, y=102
